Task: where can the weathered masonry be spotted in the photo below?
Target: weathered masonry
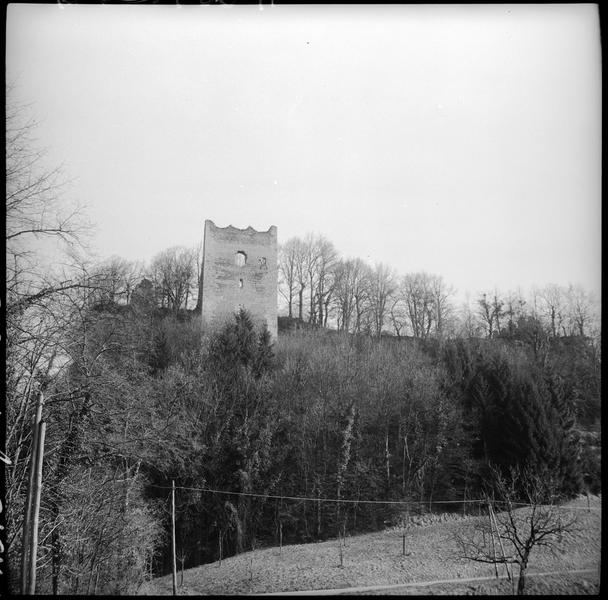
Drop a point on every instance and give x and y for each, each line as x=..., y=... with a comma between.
x=240, y=271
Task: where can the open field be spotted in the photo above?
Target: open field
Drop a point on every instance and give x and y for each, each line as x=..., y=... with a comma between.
x=376, y=560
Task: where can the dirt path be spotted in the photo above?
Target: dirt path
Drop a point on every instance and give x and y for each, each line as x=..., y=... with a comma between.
x=376, y=560
x=400, y=587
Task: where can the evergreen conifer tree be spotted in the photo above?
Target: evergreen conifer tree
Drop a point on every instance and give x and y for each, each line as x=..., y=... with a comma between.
x=526, y=425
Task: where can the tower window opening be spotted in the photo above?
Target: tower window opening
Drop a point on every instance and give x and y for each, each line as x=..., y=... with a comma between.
x=240, y=259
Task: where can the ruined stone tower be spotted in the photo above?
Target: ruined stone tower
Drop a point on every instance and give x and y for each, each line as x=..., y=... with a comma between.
x=239, y=270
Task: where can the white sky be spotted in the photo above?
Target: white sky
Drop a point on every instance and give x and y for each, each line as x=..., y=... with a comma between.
x=460, y=140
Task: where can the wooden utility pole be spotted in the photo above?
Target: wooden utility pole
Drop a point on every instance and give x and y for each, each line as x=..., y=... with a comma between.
x=492, y=537
x=173, y=536
x=31, y=588
x=25, y=539
x=219, y=542
x=26, y=542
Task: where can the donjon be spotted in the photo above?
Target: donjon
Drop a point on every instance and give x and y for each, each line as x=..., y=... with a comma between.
x=239, y=271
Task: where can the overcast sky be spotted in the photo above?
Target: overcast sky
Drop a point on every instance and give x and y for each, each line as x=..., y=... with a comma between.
x=460, y=140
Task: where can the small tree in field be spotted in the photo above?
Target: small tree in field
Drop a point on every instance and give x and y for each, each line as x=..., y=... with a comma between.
x=538, y=522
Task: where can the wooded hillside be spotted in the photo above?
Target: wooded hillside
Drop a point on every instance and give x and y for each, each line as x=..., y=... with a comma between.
x=378, y=391
x=147, y=398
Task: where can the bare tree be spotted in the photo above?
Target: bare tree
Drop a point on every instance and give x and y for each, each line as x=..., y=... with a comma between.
x=173, y=272
x=326, y=263
x=361, y=293
x=288, y=261
x=39, y=220
x=43, y=230
x=491, y=312
x=351, y=293
x=398, y=315
x=468, y=321
x=417, y=292
x=552, y=304
x=580, y=310
x=498, y=310
x=441, y=294
x=316, y=258
x=33, y=205
x=311, y=258
x=343, y=296
x=425, y=299
x=382, y=288
x=536, y=524
x=197, y=250
x=486, y=314
x=514, y=310
x=116, y=279
x=300, y=257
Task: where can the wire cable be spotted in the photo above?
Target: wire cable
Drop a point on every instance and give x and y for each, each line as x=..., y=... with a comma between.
x=346, y=501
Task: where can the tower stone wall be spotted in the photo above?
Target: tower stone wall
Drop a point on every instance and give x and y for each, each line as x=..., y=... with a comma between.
x=239, y=271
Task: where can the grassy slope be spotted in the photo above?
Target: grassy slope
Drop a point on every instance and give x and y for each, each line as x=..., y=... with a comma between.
x=376, y=559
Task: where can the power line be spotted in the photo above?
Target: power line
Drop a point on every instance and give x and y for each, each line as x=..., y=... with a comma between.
x=308, y=499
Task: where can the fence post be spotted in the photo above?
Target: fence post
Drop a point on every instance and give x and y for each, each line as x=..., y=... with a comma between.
x=502, y=548
x=492, y=537
x=318, y=512
x=404, y=522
